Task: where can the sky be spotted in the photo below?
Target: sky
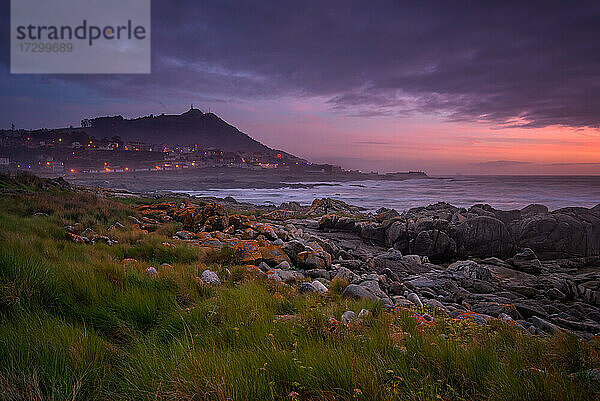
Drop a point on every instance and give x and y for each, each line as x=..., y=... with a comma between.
x=448, y=87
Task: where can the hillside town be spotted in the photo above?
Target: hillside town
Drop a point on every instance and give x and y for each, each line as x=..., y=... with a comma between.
x=73, y=151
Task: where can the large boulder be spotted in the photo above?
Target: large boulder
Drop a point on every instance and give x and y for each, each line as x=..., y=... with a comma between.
x=273, y=255
x=293, y=248
x=534, y=209
x=384, y=214
x=468, y=269
x=435, y=244
x=370, y=232
x=358, y=292
x=346, y=274
x=569, y=232
x=248, y=251
x=398, y=265
x=396, y=235
x=314, y=257
x=328, y=221
x=482, y=236
x=327, y=205
x=212, y=216
x=527, y=262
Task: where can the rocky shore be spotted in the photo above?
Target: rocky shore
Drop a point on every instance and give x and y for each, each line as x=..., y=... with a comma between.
x=532, y=268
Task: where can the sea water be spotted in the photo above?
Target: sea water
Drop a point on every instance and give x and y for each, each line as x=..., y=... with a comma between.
x=501, y=192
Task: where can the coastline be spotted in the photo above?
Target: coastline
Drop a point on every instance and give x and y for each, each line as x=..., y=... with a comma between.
x=536, y=251
x=137, y=281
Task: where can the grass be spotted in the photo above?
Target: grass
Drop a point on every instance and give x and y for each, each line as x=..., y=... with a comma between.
x=76, y=323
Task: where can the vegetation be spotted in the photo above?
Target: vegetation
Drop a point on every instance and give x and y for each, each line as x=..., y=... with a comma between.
x=77, y=323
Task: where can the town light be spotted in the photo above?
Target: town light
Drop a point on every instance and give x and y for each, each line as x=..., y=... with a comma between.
x=72, y=170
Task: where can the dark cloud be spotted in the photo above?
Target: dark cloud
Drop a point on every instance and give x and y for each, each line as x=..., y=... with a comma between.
x=530, y=64
x=501, y=163
x=573, y=164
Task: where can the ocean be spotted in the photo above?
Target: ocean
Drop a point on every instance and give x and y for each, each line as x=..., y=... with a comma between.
x=501, y=192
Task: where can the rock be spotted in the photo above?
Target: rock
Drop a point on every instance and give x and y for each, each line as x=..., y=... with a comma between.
x=383, y=214
x=248, y=251
x=469, y=269
x=280, y=214
x=348, y=317
x=569, y=232
x=327, y=205
x=318, y=273
x=285, y=265
x=529, y=308
x=293, y=248
x=185, y=235
x=435, y=244
x=209, y=277
x=249, y=233
x=534, y=209
x=414, y=298
x=78, y=239
x=527, y=262
x=345, y=224
x=347, y=275
x=496, y=309
x=554, y=293
x=304, y=288
x=591, y=375
x=394, y=261
x=370, y=232
x=375, y=289
x=364, y=313
x=103, y=238
x=358, y=292
x=390, y=275
x=319, y=287
x=267, y=230
x=264, y=267
x=328, y=221
x=434, y=303
x=273, y=255
x=213, y=217
x=88, y=232
x=479, y=319
x=314, y=257
x=482, y=236
x=287, y=276
x=412, y=259
x=151, y=272
x=544, y=325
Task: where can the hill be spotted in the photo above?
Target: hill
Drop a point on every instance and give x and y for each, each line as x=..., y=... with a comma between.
x=205, y=129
